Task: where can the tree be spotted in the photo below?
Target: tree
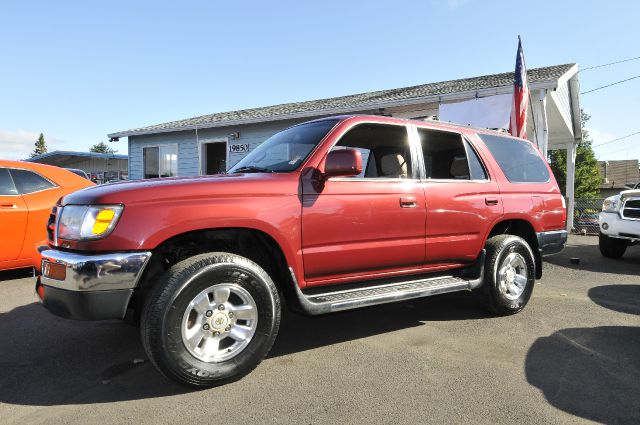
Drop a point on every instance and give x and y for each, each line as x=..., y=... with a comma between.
x=101, y=147
x=41, y=146
x=587, y=182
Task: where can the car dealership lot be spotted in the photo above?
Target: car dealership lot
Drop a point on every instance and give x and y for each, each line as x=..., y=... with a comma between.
x=572, y=355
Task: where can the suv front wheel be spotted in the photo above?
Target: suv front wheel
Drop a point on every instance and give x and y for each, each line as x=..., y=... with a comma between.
x=211, y=319
x=611, y=247
x=509, y=274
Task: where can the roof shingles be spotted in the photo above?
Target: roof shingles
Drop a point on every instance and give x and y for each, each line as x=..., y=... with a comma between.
x=363, y=100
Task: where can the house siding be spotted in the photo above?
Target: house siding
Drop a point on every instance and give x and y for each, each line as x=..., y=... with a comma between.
x=188, y=144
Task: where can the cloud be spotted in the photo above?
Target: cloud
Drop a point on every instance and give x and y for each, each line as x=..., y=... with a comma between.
x=453, y=4
x=18, y=144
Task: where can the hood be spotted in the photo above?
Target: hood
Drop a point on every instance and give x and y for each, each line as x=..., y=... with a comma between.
x=171, y=189
x=630, y=193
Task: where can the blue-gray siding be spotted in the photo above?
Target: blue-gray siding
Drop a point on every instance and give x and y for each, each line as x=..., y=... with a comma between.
x=188, y=144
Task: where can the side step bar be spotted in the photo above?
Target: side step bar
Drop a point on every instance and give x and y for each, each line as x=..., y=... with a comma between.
x=333, y=301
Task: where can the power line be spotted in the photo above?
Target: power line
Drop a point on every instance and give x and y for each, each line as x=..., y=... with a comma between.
x=619, y=150
x=610, y=63
x=609, y=85
x=615, y=140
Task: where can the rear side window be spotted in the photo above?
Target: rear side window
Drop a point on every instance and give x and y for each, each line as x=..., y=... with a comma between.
x=6, y=183
x=448, y=157
x=518, y=159
x=28, y=181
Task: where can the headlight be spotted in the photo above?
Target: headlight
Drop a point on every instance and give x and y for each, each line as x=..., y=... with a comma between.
x=88, y=221
x=611, y=204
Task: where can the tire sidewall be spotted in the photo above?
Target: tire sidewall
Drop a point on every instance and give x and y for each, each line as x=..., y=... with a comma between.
x=182, y=363
x=518, y=246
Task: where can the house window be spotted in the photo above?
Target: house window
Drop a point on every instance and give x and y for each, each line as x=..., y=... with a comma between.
x=160, y=161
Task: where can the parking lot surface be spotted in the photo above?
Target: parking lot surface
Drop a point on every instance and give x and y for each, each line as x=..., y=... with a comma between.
x=572, y=356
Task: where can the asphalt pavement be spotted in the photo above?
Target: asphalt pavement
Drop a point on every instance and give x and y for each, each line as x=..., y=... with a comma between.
x=572, y=356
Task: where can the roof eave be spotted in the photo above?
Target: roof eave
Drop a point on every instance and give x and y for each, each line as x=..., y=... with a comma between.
x=450, y=97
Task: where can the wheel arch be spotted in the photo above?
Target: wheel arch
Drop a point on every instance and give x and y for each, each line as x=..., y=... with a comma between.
x=251, y=243
x=525, y=230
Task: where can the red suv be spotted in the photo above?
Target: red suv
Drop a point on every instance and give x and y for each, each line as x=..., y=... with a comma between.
x=329, y=215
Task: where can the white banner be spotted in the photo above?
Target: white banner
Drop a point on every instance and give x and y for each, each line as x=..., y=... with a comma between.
x=484, y=112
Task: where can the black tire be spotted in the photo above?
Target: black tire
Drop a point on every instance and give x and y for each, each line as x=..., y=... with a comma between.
x=498, y=249
x=611, y=247
x=162, y=318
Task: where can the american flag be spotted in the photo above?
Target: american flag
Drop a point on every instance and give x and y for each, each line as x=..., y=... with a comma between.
x=520, y=104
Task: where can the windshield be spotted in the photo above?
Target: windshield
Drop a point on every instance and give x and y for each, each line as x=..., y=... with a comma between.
x=285, y=151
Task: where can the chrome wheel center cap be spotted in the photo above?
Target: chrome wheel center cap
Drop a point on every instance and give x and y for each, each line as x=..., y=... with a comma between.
x=219, y=321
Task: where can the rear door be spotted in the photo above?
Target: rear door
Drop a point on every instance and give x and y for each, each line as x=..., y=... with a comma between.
x=13, y=218
x=462, y=199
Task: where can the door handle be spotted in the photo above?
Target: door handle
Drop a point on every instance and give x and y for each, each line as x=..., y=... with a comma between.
x=8, y=206
x=408, y=202
x=491, y=201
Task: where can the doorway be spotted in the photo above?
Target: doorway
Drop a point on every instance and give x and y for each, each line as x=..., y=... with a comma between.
x=214, y=158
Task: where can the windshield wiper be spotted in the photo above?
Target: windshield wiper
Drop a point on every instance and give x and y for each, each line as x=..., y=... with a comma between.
x=252, y=169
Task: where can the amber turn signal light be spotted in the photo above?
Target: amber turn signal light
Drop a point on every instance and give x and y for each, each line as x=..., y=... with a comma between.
x=55, y=271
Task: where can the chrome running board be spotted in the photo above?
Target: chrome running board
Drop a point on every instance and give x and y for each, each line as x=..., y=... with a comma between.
x=364, y=296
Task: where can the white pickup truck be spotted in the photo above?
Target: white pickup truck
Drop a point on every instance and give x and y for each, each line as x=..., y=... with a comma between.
x=620, y=222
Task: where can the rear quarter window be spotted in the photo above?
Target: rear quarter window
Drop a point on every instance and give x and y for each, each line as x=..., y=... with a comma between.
x=28, y=181
x=519, y=160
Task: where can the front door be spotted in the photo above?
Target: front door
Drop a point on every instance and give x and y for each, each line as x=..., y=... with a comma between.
x=215, y=158
x=368, y=224
x=13, y=218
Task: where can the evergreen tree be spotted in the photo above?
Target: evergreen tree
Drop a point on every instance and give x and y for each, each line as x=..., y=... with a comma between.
x=587, y=181
x=41, y=146
x=101, y=147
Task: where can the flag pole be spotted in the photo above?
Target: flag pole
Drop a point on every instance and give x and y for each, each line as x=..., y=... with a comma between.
x=533, y=115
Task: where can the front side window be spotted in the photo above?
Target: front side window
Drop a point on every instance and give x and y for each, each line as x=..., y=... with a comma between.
x=160, y=161
x=385, y=150
x=285, y=151
x=518, y=159
x=28, y=181
x=6, y=183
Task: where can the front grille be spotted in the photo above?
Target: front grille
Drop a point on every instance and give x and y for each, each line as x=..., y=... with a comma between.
x=51, y=226
x=631, y=209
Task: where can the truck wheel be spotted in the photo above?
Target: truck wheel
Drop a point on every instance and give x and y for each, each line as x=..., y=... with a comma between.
x=611, y=247
x=509, y=274
x=211, y=319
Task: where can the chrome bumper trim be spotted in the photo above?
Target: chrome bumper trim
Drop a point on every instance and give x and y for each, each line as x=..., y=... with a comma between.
x=103, y=272
x=551, y=242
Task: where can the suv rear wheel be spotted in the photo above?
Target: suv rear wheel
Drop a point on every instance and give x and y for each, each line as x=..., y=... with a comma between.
x=509, y=274
x=611, y=247
x=211, y=320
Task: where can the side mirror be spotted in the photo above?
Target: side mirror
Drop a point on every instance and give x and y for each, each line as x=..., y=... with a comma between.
x=343, y=163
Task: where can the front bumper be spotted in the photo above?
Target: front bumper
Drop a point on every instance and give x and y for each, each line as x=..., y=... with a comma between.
x=89, y=287
x=551, y=242
x=618, y=227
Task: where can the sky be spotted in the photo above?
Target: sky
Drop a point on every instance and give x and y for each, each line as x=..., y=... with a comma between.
x=77, y=71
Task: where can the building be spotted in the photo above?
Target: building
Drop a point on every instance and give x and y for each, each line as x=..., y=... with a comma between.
x=618, y=175
x=101, y=167
x=213, y=143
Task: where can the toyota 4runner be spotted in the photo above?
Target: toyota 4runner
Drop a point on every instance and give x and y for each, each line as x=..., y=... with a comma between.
x=330, y=215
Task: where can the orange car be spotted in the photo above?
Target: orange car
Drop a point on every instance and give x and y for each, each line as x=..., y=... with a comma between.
x=27, y=193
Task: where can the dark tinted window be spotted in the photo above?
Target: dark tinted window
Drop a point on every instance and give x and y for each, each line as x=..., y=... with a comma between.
x=6, y=184
x=384, y=148
x=518, y=159
x=475, y=165
x=28, y=182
